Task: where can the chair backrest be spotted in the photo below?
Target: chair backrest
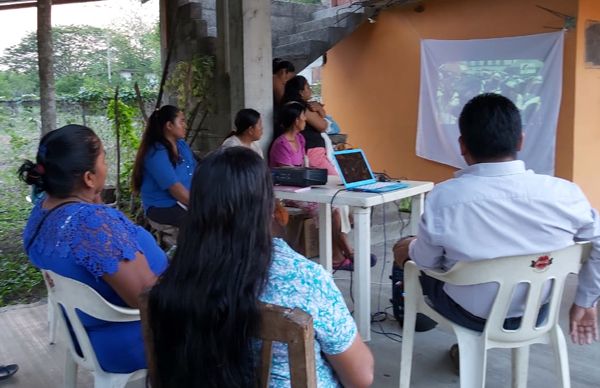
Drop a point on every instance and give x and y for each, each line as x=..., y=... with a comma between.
x=534, y=270
x=74, y=296
x=291, y=326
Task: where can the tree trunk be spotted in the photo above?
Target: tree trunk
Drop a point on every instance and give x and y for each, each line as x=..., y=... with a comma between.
x=118, y=143
x=46, y=66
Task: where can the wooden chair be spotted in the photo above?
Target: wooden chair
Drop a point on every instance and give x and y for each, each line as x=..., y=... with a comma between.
x=295, y=328
x=291, y=326
x=166, y=235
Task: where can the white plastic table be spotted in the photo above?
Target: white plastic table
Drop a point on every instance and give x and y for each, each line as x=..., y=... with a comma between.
x=361, y=204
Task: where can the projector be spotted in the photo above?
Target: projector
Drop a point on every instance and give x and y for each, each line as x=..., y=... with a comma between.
x=299, y=176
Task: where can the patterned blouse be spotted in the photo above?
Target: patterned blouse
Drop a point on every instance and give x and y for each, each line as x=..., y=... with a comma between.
x=295, y=281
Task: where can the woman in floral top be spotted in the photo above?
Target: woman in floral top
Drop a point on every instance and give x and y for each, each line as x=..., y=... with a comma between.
x=203, y=311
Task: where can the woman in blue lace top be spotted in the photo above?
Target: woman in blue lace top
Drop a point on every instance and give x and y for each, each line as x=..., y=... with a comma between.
x=164, y=166
x=71, y=233
x=204, y=310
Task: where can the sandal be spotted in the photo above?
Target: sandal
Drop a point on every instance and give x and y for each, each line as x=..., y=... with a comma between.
x=454, y=357
x=348, y=263
x=8, y=370
x=345, y=265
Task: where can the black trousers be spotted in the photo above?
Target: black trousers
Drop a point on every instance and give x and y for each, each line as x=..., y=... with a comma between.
x=173, y=215
x=446, y=306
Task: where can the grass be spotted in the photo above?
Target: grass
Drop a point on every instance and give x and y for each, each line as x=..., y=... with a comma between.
x=20, y=282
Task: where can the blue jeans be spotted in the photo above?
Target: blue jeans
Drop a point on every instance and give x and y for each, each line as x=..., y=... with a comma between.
x=443, y=304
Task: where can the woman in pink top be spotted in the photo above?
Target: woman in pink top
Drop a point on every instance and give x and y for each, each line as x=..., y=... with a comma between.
x=287, y=148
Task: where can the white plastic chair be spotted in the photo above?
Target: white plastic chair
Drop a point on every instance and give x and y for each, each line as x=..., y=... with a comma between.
x=507, y=272
x=52, y=317
x=72, y=295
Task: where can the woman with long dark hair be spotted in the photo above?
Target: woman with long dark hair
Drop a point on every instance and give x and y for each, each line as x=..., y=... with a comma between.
x=203, y=312
x=164, y=166
x=248, y=131
x=71, y=233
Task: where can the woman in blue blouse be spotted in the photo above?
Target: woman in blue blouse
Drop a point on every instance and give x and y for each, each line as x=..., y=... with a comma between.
x=203, y=311
x=164, y=166
x=71, y=233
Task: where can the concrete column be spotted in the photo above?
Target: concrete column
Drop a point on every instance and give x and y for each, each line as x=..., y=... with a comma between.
x=249, y=57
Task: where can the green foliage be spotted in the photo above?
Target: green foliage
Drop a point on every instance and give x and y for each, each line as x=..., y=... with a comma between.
x=130, y=135
x=193, y=83
x=19, y=281
x=14, y=85
x=83, y=57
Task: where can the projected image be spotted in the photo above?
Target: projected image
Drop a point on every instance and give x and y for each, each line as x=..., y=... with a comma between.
x=518, y=79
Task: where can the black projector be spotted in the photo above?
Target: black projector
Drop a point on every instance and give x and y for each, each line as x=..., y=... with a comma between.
x=299, y=176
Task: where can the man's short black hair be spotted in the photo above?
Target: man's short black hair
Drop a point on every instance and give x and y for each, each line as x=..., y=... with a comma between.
x=490, y=126
x=281, y=64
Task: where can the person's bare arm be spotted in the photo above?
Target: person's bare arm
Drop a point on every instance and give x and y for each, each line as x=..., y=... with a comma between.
x=131, y=279
x=317, y=107
x=180, y=193
x=354, y=367
x=316, y=121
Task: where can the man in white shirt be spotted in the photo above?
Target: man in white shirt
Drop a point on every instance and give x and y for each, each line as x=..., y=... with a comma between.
x=494, y=208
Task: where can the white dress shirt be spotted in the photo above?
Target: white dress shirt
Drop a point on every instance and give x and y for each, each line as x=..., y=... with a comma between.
x=492, y=210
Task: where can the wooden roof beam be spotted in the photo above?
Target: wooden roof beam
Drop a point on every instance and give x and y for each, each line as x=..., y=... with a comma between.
x=6, y=5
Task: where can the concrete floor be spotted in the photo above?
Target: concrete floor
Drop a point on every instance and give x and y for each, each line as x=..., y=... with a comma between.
x=24, y=333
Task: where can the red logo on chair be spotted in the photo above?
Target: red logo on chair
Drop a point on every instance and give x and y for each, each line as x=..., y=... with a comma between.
x=541, y=263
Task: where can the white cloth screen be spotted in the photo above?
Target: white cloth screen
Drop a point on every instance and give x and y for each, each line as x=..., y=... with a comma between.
x=526, y=69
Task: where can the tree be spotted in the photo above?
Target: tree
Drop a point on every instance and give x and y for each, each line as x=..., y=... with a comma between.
x=44, y=49
x=85, y=52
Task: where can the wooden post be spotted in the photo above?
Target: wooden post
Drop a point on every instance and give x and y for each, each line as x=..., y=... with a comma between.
x=46, y=66
x=118, y=148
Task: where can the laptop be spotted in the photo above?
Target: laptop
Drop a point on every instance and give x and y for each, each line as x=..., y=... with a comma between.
x=357, y=175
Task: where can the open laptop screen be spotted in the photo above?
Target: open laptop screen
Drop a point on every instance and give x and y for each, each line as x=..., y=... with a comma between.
x=353, y=166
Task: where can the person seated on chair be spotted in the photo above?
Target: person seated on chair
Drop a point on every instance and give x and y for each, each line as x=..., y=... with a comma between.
x=164, y=166
x=287, y=149
x=72, y=233
x=248, y=131
x=203, y=312
x=495, y=208
x=297, y=89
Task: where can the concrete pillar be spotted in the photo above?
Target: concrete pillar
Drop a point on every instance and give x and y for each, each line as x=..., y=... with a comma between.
x=248, y=56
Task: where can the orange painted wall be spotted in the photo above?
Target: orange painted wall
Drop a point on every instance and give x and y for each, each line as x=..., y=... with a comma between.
x=371, y=79
x=587, y=111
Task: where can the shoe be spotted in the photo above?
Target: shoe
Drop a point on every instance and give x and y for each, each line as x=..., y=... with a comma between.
x=348, y=263
x=345, y=265
x=423, y=322
x=454, y=357
x=8, y=370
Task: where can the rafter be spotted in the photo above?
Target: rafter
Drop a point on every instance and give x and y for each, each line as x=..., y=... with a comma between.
x=15, y=4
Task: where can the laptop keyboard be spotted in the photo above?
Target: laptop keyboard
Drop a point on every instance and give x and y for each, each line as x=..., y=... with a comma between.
x=376, y=185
